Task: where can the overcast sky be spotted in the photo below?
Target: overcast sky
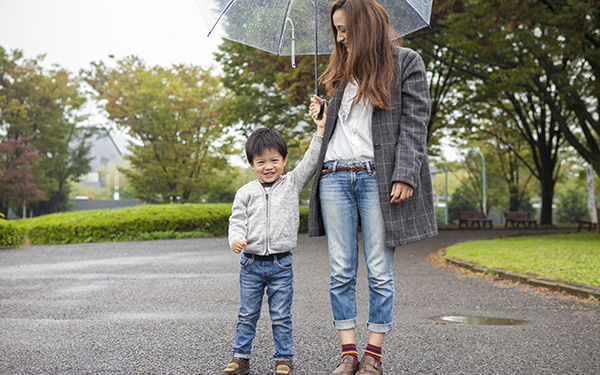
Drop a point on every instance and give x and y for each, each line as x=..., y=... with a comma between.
x=73, y=33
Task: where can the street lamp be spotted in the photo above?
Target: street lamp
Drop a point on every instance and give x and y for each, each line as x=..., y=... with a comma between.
x=483, y=161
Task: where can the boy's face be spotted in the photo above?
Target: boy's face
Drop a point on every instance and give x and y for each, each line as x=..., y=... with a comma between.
x=268, y=166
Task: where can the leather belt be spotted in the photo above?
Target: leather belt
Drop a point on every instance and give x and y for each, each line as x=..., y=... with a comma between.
x=350, y=168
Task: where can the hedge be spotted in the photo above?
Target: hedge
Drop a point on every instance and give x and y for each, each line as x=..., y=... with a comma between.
x=129, y=223
x=10, y=234
x=143, y=222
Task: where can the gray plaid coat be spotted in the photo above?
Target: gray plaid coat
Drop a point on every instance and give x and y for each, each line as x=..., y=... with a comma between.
x=400, y=145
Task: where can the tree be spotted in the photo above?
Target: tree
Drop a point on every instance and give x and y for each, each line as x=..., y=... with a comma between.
x=267, y=91
x=173, y=115
x=572, y=65
x=17, y=185
x=445, y=82
x=45, y=104
x=504, y=47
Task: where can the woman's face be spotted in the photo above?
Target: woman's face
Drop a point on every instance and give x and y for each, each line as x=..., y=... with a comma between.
x=339, y=21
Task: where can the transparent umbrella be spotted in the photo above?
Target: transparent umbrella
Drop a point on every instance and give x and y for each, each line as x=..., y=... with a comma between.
x=297, y=27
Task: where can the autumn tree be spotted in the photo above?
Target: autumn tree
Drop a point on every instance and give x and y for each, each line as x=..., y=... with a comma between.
x=179, y=144
x=17, y=182
x=45, y=104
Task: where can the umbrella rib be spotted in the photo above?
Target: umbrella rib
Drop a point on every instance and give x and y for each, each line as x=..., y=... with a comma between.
x=221, y=15
x=285, y=16
x=419, y=13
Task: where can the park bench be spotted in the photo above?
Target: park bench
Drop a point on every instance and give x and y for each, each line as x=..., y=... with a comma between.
x=519, y=217
x=466, y=217
x=590, y=226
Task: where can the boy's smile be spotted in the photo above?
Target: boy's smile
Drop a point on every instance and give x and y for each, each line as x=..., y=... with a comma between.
x=268, y=166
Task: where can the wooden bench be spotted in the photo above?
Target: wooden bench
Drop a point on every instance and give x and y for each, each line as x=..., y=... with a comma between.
x=590, y=226
x=519, y=217
x=466, y=217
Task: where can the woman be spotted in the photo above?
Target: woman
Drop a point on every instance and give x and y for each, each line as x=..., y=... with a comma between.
x=375, y=170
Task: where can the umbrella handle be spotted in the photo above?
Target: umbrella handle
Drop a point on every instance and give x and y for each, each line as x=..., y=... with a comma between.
x=321, y=110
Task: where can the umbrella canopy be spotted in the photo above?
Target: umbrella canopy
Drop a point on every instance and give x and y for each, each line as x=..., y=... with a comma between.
x=287, y=27
x=290, y=27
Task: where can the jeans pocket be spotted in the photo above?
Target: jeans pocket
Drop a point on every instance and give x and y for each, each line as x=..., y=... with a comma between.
x=245, y=261
x=325, y=176
x=285, y=263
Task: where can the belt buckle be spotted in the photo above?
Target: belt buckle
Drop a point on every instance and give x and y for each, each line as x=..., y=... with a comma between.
x=357, y=167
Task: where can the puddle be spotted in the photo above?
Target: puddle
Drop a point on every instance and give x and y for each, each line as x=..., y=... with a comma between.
x=478, y=321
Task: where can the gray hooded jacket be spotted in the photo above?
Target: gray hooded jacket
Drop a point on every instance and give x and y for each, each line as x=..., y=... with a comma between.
x=270, y=222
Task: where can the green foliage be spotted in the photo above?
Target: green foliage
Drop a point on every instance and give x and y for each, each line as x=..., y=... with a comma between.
x=572, y=206
x=173, y=114
x=267, y=90
x=10, y=234
x=128, y=223
x=142, y=223
x=526, y=61
x=45, y=105
x=460, y=200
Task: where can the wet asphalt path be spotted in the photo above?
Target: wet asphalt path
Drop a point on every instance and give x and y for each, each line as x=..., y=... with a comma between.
x=169, y=307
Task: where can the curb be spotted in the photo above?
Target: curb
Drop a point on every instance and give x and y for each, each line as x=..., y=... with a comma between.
x=579, y=290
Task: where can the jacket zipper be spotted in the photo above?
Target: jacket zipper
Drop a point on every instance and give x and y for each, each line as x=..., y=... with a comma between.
x=267, y=237
x=267, y=226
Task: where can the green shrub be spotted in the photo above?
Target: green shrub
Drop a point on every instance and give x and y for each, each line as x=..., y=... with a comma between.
x=122, y=224
x=10, y=234
x=572, y=206
x=142, y=223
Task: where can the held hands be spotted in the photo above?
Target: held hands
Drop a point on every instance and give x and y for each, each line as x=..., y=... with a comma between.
x=401, y=192
x=238, y=244
x=313, y=111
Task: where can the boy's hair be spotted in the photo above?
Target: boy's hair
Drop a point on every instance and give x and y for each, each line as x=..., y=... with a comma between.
x=263, y=139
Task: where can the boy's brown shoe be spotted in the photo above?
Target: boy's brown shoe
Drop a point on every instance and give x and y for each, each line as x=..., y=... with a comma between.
x=284, y=367
x=347, y=366
x=368, y=366
x=237, y=366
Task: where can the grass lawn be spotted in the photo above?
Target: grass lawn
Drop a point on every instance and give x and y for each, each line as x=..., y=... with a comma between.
x=571, y=257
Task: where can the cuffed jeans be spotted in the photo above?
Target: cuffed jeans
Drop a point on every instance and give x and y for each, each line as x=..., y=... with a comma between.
x=345, y=197
x=277, y=277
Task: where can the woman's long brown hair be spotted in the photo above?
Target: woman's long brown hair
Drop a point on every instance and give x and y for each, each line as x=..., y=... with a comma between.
x=372, y=54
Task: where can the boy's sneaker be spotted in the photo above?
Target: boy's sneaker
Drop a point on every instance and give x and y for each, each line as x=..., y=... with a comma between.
x=284, y=367
x=237, y=366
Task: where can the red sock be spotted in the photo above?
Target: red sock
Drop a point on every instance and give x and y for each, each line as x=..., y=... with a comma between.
x=373, y=351
x=350, y=349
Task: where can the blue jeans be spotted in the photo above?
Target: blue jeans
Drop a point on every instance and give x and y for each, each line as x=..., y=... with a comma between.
x=347, y=197
x=277, y=277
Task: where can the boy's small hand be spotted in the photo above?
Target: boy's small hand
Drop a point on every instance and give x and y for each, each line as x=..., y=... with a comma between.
x=313, y=111
x=238, y=244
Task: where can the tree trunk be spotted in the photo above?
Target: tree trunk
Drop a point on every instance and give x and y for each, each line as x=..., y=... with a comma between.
x=547, y=187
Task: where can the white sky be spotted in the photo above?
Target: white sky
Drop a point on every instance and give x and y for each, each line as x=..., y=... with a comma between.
x=74, y=33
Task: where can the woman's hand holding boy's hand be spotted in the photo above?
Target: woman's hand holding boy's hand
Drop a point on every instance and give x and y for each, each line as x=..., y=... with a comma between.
x=313, y=111
x=238, y=244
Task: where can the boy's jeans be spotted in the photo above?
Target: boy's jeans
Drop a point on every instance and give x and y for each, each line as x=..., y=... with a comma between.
x=277, y=276
x=347, y=196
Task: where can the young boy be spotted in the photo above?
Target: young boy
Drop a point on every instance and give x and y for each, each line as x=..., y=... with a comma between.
x=263, y=227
